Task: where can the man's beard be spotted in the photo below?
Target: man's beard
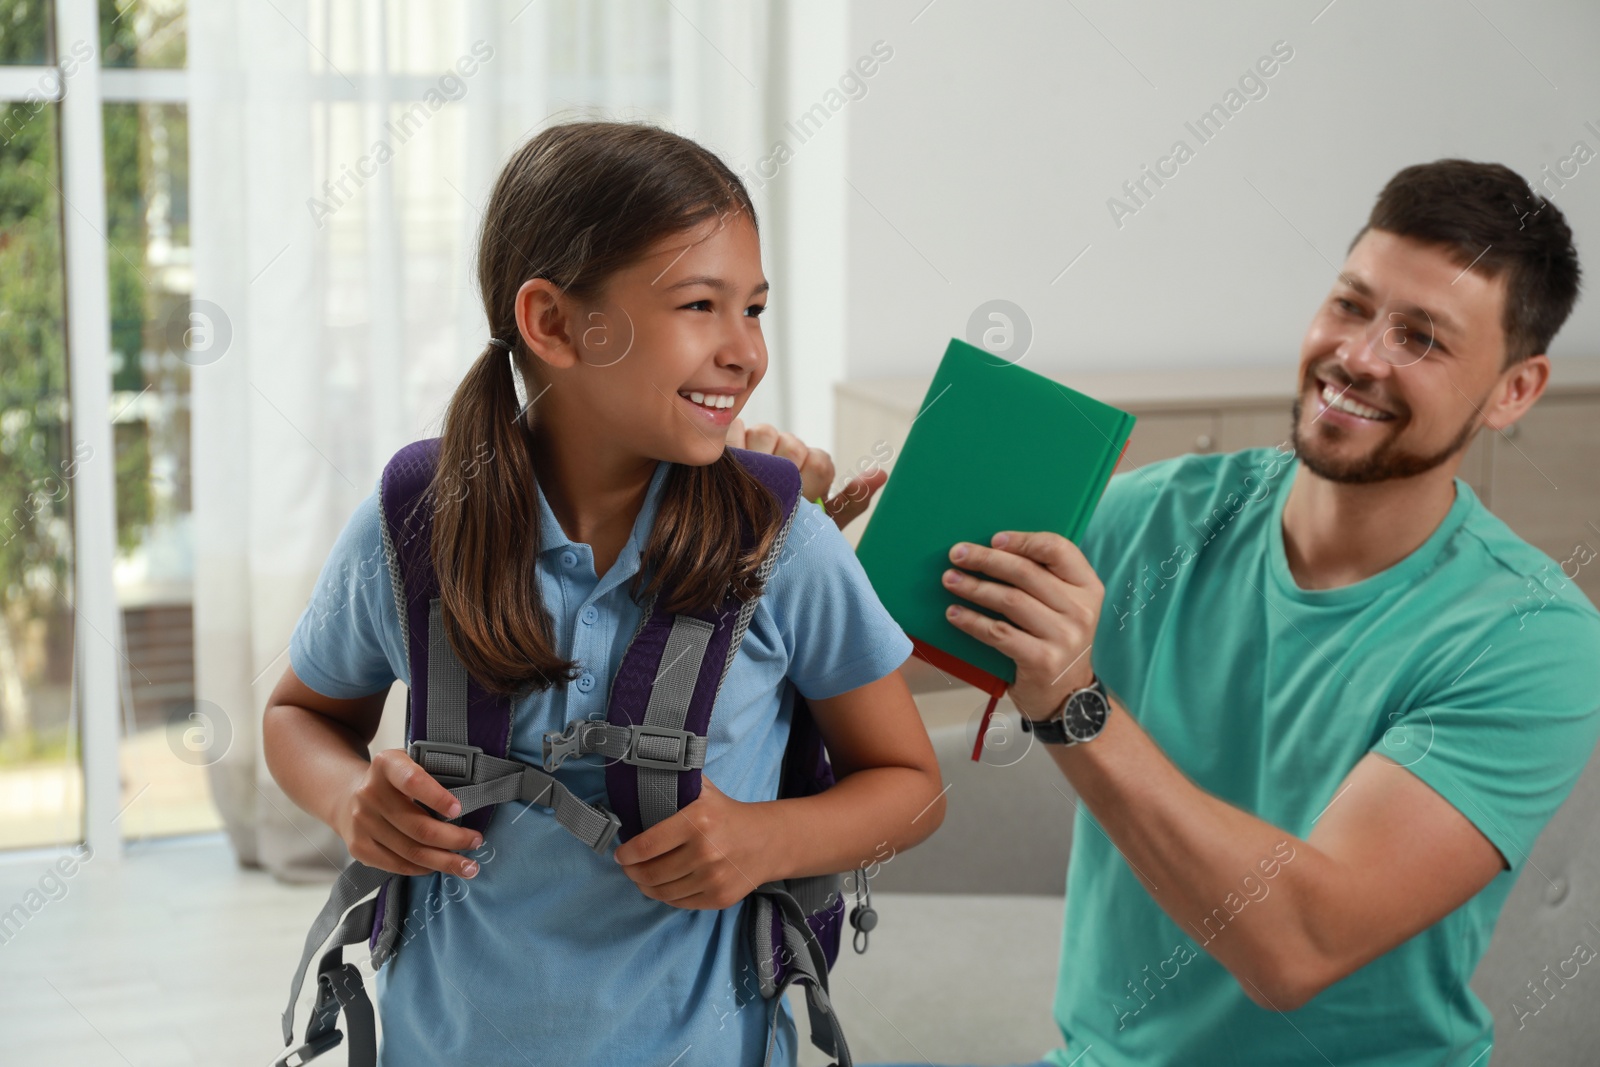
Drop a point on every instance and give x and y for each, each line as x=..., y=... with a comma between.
x=1383, y=463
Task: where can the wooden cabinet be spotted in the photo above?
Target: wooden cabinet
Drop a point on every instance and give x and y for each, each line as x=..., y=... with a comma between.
x=1254, y=426
x=1163, y=434
x=1542, y=476
x=1545, y=483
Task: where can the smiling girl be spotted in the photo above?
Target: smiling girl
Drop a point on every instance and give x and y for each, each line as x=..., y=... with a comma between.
x=620, y=270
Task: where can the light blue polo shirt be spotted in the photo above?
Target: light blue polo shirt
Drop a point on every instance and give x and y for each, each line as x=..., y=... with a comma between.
x=551, y=955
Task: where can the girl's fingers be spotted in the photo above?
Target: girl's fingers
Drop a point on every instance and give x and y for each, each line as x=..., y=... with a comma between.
x=375, y=855
x=735, y=438
x=678, y=863
x=408, y=776
x=675, y=891
x=424, y=856
x=427, y=830
x=660, y=839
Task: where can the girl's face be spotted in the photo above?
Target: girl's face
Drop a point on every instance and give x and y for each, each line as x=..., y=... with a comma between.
x=667, y=356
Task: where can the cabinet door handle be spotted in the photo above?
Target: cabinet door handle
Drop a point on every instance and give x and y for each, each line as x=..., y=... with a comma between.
x=1510, y=431
x=1203, y=443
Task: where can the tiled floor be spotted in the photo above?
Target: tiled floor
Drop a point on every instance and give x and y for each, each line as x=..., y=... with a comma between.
x=175, y=956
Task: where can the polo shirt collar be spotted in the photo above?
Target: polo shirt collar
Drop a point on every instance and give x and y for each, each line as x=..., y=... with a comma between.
x=552, y=537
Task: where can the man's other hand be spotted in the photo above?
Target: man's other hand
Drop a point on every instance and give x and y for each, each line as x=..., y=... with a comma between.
x=816, y=469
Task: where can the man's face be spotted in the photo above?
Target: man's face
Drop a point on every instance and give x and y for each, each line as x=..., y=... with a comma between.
x=1398, y=363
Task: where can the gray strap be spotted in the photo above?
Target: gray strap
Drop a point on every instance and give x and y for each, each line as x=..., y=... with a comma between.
x=809, y=964
x=477, y=778
x=496, y=781
x=761, y=946
x=826, y=1033
x=772, y=1031
x=357, y=925
x=645, y=746
x=815, y=892
x=748, y=607
x=355, y=883
x=669, y=707
x=344, y=986
x=447, y=700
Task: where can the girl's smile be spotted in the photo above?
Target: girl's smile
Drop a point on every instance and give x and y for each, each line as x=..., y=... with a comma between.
x=715, y=406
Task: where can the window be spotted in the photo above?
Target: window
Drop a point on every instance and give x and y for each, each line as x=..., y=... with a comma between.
x=163, y=748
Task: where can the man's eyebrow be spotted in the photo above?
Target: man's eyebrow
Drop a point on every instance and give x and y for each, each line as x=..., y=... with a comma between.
x=714, y=283
x=1357, y=284
x=1440, y=320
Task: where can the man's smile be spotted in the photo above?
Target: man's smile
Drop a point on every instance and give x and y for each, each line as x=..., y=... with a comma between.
x=1342, y=406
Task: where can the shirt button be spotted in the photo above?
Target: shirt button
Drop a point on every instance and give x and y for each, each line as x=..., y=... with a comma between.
x=589, y=615
x=585, y=682
x=569, y=559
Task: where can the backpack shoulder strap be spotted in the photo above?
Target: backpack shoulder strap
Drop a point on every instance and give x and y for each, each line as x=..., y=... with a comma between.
x=457, y=730
x=449, y=717
x=666, y=685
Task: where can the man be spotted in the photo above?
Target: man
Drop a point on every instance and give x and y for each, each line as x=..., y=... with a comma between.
x=1334, y=726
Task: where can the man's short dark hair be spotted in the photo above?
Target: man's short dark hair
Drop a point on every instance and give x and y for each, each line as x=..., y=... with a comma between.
x=1485, y=215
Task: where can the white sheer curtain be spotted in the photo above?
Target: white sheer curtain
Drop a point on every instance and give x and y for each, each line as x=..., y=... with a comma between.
x=341, y=151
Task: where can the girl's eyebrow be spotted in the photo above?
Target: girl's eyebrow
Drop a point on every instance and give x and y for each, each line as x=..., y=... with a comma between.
x=714, y=283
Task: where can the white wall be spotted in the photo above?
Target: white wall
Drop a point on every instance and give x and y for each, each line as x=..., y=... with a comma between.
x=985, y=153
x=808, y=192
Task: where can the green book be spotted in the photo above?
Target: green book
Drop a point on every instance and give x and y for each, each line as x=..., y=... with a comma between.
x=994, y=446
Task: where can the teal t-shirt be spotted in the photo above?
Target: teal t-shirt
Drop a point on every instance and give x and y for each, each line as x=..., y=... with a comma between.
x=1473, y=663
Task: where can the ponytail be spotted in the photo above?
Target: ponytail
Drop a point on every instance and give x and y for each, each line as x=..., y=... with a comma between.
x=486, y=536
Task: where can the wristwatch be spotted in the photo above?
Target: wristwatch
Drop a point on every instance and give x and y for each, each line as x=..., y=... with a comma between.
x=1082, y=717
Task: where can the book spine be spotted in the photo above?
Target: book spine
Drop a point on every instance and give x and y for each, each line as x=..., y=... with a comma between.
x=1108, y=465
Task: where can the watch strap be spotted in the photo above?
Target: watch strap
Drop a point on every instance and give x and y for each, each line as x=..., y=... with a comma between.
x=1050, y=731
x=1053, y=731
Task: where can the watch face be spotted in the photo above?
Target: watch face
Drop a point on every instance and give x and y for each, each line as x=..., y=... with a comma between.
x=1084, y=715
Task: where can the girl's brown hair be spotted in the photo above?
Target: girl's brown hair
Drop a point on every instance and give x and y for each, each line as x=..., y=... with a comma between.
x=574, y=205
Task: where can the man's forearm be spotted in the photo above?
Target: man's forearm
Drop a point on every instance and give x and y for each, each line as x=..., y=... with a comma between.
x=1243, y=889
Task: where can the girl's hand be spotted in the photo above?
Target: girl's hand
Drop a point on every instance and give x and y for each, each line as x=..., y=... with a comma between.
x=710, y=855
x=383, y=827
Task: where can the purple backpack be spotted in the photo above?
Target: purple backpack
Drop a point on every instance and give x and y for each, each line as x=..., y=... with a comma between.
x=654, y=739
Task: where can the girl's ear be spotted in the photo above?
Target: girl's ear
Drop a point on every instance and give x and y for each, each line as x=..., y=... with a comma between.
x=544, y=318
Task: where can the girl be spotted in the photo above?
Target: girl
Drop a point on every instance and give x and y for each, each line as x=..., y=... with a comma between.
x=620, y=267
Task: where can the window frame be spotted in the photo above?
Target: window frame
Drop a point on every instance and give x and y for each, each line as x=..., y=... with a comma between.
x=97, y=630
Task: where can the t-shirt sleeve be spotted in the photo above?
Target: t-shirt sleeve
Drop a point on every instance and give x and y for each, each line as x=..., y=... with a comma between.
x=1115, y=519
x=341, y=645
x=840, y=635
x=1505, y=739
